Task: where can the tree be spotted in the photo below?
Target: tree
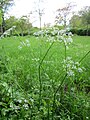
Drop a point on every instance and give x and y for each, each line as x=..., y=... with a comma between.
x=75, y=21
x=85, y=14
x=23, y=25
x=0, y=21
x=63, y=13
x=11, y=21
x=39, y=10
x=4, y=5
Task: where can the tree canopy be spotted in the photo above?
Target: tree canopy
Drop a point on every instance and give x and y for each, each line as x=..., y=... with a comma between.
x=4, y=5
x=76, y=21
x=85, y=14
x=82, y=19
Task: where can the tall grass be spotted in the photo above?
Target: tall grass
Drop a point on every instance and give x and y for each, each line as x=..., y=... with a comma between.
x=34, y=84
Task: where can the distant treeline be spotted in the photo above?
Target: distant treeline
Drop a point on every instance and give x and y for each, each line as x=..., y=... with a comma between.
x=81, y=32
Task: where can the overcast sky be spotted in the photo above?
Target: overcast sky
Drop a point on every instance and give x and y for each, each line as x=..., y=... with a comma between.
x=23, y=7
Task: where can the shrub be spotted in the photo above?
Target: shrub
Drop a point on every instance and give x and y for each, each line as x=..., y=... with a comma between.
x=81, y=32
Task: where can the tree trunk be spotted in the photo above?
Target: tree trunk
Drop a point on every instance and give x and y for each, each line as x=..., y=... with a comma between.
x=1, y=29
x=40, y=22
x=87, y=29
x=3, y=24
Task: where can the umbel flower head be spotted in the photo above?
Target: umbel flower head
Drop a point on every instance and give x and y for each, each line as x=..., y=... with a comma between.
x=54, y=34
x=72, y=67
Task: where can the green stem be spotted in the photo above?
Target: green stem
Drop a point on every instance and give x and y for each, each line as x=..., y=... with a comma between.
x=84, y=56
x=48, y=111
x=65, y=52
x=39, y=70
x=59, y=87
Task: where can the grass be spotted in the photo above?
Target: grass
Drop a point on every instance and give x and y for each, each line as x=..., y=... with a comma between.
x=27, y=89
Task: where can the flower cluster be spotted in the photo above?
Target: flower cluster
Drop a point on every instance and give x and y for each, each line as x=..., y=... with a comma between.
x=72, y=67
x=65, y=39
x=20, y=103
x=39, y=33
x=54, y=34
x=25, y=43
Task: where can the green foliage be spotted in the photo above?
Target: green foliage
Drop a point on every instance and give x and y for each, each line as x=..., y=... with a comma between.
x=0, y=17
x=85, y=14
x=19, y=79
x=82, y=20
x=11, y=21
x=81, y=32
x=76, y=22
x=23, y=25
x=5, y=4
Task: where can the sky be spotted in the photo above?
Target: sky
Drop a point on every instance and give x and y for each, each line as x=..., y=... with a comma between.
x=24, y=7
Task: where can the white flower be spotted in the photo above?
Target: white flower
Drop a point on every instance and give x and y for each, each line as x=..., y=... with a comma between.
x=70, y=34
x=68, y=58
x=68, y=65
x=23, y=43
x=77, y=63
x=28, y=45
x=26, y=106
x=69, y=40
x=70, y=73
x=62, y=32
x=16, y=107
x=25, y=101
x=19, y=47
x=80, y=70
x=11, y=105
x=87, y=117
x=36, y=59
x=74, y=67
x=13, y=27
x=27, y=41
x=20, y=101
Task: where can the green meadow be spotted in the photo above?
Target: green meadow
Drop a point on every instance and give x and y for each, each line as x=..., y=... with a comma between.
x=33, y=82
